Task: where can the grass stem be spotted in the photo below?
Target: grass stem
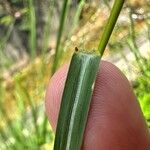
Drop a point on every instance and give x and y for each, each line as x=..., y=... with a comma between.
x=47, y=27
x=32, y=28
x=59, y=35
x=118, y=4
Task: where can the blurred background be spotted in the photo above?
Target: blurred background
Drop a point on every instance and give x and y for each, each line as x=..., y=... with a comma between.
x=37, y=36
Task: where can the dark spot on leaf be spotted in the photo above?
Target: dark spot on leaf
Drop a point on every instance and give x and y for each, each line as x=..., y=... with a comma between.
x=76, y=49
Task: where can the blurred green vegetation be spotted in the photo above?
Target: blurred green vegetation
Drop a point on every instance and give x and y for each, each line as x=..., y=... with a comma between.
x=33, y=35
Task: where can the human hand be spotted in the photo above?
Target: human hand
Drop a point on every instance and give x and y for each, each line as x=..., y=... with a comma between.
x=115, y=120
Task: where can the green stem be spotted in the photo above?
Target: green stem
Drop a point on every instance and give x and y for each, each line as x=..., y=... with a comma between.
x=76, y=17
x=47, y=27
x=59, y=35
x=32, y=29
x=75, y=23
x=110, y=25
x=133, y=45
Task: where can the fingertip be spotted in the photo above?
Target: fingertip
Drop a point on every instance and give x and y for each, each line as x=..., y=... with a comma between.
x=107, y=73
x=114, y=116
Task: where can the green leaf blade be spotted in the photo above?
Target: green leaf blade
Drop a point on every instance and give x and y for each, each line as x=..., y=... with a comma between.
x=76, y=101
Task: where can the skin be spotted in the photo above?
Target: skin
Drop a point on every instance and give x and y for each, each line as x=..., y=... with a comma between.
x=115, y=120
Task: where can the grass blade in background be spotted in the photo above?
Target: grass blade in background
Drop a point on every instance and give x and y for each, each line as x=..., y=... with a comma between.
x=59, y=35
x=3, y=42
x=131, y=42
x=32, y=28
x=47, y=27
x=75, y=23
x=77, y=16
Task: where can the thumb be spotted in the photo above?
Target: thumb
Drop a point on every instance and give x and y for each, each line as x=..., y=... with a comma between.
x=115, y=120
